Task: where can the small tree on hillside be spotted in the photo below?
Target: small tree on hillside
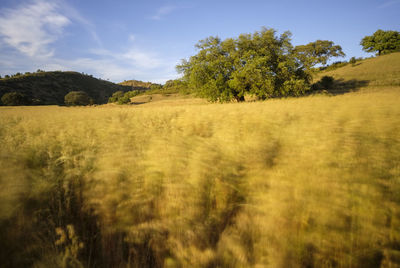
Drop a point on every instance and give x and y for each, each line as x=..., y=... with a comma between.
x=382, y=42
x=77, y=98
x=353, y=61
x=15, y=99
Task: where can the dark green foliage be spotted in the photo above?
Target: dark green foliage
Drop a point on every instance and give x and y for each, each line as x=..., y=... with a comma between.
x=51, y=87
x=382, y=42
x=115, y=96
x=15, y=99
x=124, y=100
x=132, y=93
x=77, y=98
x=260, y=64
x=175, y=86
x=353, y=60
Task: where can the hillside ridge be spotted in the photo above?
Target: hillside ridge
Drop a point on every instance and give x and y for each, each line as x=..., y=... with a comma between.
x=51, y=87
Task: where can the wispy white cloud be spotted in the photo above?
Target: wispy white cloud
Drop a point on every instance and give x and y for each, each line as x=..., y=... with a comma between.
x=116, y=70
x=131, y=37
x=163, y=11
x=132, y=56
x=28, y=35
x=31, y=28
x=133, y=63
x=389, y=3
x=142, y=59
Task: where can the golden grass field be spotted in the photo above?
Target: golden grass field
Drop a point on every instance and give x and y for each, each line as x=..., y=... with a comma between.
x=296, y=182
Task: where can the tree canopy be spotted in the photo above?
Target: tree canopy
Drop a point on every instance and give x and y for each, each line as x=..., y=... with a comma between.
x=382, y=42
x=261, y=64
x=77, y=98
x=318, y=52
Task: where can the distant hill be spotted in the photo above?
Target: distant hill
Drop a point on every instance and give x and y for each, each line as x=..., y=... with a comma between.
x=51, y=87
x=136, y=84
x=373, y=72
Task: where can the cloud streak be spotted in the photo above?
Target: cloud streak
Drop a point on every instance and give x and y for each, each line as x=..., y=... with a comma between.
x=31, y=28
x=163, y=11
x=389, y=4
x=133, y=63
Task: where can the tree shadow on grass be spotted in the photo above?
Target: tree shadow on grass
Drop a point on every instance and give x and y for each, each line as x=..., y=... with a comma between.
x=331, y=86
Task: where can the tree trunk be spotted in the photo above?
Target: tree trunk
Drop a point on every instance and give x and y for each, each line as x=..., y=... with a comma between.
x=239, y=98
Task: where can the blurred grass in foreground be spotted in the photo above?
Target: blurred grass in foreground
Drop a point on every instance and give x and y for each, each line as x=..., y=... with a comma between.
x=310, y=182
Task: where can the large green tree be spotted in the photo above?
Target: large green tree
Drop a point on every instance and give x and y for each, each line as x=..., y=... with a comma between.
x=260, y=64
x=382, y=42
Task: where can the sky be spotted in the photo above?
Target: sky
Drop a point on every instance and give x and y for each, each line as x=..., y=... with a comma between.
x=121, y=40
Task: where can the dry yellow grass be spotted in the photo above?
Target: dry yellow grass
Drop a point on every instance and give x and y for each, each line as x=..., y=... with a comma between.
x=166, y=100
x=298, y=182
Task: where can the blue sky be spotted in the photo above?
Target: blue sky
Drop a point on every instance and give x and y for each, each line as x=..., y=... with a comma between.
x=144, y=40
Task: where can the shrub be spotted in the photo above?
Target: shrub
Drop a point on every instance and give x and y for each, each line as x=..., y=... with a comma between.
x=353, y=61
x=15, y=99
x=123, y=98
x=115, y=96
x=77, y=98
x=132, y=93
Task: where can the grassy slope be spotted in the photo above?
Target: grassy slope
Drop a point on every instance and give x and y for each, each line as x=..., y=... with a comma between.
x=51, y=87
x=378, y=71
